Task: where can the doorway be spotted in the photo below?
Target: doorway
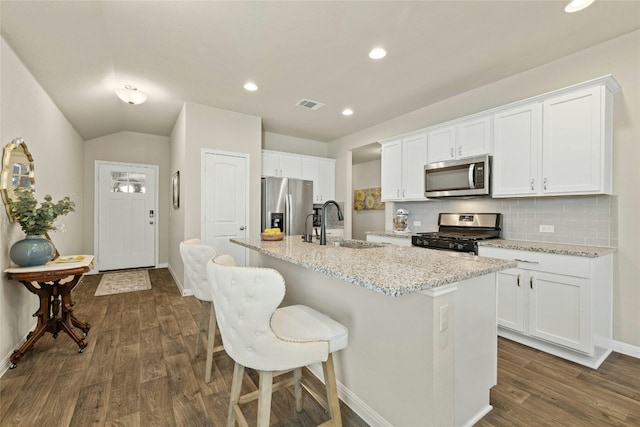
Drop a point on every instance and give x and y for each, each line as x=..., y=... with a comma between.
x=126, y=209
x=225, y=202
x=366, y=174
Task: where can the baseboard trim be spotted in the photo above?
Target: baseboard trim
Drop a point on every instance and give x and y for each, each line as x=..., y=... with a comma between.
x=480, y=415
x=183, y=292
x=364, y=411
x=628, y=349
x=6, y=360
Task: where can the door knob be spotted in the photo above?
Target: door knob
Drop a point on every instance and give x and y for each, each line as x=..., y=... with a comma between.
x=241, y=227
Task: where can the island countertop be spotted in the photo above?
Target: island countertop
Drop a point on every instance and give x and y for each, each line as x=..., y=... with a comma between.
x=388, y=269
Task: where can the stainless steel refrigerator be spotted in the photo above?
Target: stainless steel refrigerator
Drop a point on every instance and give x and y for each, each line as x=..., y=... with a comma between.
x=286, y=203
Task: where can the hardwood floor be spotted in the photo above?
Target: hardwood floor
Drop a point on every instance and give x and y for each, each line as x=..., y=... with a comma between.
x=536, y=388
x=139, y=369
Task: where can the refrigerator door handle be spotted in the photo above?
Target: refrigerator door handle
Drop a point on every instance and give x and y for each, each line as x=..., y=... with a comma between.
x=288, y=215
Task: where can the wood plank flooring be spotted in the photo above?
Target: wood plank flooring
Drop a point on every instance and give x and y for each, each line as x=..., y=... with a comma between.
x=139, y=369
x=538, y=389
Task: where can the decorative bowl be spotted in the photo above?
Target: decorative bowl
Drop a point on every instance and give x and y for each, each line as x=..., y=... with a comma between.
x=272, y=237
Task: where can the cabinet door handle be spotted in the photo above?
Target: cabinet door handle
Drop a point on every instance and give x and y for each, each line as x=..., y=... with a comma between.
x=531, y=282
x=403, y=193
x=452, y=152
x=544, y=183
x=460, y=150
x=524, y=260
x=398, y=192
x=518, y=280
x=533, y=182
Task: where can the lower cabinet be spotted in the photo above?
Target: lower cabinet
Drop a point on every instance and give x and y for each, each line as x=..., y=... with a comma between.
x=557, y=303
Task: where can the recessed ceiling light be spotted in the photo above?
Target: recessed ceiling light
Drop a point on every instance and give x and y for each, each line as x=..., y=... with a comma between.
x=377, y=53
x=131, y=95
x=577, y=5
x=347, y=112
x=250, y=86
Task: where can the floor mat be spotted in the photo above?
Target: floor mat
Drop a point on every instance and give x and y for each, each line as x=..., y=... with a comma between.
x=123, y=281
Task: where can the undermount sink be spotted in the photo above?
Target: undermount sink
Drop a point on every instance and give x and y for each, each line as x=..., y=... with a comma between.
x=357, y=244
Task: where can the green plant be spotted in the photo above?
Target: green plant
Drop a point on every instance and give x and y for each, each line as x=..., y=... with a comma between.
x=36, y=220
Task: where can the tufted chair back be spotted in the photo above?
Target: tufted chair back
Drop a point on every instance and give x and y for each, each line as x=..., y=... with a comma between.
x=195, y=256
x=245, y=299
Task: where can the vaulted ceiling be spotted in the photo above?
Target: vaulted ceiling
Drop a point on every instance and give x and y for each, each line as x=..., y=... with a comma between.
x=204, y=51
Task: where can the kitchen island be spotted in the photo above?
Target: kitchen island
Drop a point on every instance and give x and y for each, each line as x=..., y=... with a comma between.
x=422, y=325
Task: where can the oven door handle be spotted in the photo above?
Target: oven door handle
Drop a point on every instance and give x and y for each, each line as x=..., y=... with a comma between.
x=472, y=169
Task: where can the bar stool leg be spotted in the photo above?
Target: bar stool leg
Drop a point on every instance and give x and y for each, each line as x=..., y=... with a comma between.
x=332, y=391
x=210, y=342
x=203, y=312
x=264, y=398
x=236, y=387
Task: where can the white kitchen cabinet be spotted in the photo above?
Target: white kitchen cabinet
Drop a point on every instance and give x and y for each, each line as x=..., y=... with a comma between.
x=510, y=290
x=403, y=160
x=467, y=138
x=391, y=172
x=322, y=172
x=574, y=144
x=516, y=150
x=286, y=165
x=398, y=241
x=561, y=304
x=556, y=145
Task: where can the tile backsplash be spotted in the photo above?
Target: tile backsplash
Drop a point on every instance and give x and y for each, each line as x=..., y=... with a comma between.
x=582, y=220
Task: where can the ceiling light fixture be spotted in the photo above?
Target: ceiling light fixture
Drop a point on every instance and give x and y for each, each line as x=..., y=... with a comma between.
x=250, y=86
x=577, y=5
x=347, y=112
x=131, y=95
x=377, y=53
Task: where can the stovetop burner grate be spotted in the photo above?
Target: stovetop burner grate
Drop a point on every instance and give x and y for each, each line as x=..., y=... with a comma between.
x=460, y=232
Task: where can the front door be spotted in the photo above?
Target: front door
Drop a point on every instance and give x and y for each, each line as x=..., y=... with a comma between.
x=224, y=202
x=126, y=220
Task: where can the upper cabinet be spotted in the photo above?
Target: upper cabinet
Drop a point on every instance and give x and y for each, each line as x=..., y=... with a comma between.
x=286, y=165
x=557, y=145
x=403, y=161
x=516, y=150
x=322, y=172
x=467, y=138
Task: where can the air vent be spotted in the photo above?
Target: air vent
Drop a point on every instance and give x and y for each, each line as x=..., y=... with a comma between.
x=311, y=105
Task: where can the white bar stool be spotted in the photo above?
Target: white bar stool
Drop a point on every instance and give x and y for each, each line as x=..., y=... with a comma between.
x=195, y=256
x=259, y=335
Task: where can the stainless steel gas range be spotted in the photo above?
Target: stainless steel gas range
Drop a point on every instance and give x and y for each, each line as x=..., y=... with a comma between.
x=461, y=232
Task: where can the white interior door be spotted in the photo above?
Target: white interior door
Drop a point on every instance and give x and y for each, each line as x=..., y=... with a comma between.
x=126, y=220
x=225, y=202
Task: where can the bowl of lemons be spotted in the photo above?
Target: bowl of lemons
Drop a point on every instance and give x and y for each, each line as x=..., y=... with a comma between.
x=272, y=234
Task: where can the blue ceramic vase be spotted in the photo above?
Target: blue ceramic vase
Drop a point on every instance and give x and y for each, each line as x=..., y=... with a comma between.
x=32, y=251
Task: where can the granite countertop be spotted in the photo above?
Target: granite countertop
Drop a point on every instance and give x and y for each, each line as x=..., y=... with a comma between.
x=551, y=248
x=390, y=234
x=388, y=269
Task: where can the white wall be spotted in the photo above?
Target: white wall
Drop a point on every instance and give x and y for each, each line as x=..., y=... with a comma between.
x=366, y=175
x=56, y=147
x=292, y=144
x=201, y=127
x=620, y=57
x=129, y=147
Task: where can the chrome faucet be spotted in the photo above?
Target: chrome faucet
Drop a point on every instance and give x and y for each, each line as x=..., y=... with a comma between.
x=323, y=220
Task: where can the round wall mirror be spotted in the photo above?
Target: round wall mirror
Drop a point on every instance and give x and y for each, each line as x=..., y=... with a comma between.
x=17, y=170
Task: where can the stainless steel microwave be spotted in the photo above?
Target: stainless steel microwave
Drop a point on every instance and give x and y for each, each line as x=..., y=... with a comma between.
x=458, y=178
